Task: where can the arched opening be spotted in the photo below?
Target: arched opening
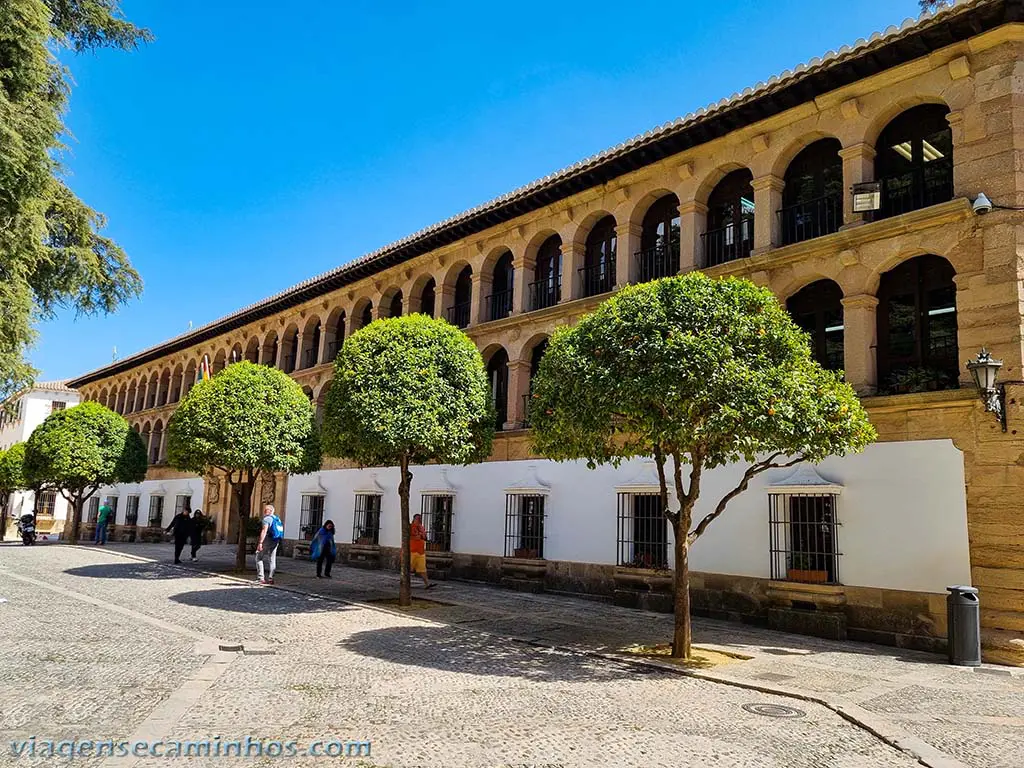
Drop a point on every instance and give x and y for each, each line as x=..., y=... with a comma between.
x=535, y=357
x=122, y=399
x=917, y=336
x=499, y=303
x=219, y=361
x=164, y=389
x=252, y=350
x=812, y=200
x=151, y=393
x=914, y=160
x=598, y=272
x=176, y=384
x=291, y=350
x=147, y=433
x=546, y=289
x=270, y=349
x=335, y=334
x=156, y=443
x=190, y=378
x=659, y=240
x=321, y=402
x=308, y=392
x=102, y=399
x=818, y=310
x=235, y=356
x=395, y=306
x=366, y=315
x=428, y=298
x=459, y=311
x=311, y=343
x=497, y=374
x=132, y=394
x=730, y=233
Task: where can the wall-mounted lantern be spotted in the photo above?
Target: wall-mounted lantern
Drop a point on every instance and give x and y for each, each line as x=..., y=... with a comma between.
x=984, y=369
x=867, y=196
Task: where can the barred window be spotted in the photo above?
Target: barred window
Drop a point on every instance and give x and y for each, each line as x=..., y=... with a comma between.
x=312, y=515
x=182, y=503
x=366, y=524
x=92, y=510
x=131, y=511
x=57, y=405
x=436, y=509
x=46, y=502
x=804, y=537
x=524, y=525
x=156, y=511
x=111, y=501
x=643, y=531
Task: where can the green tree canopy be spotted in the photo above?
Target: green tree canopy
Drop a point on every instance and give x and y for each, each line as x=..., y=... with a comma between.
x=247, y=420
x=409, y=390
x=696, y=373
x=12, y=478
x=79, y=449
x=51, y=251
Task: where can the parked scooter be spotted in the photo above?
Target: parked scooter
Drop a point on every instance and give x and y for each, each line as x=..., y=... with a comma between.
x=27, y=528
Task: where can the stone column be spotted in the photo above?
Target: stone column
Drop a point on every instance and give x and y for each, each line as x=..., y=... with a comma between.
x=183, y=384
x=522, y=274
x=858, y=166
x=767, y=202
x=444, y=298
x=693, y=221
x=300, y=343
x=321, y=352
x=860, y=337
x=572, y=262
x=279, y=360
x=627, y=243
x=518, y=387
x=478, y=299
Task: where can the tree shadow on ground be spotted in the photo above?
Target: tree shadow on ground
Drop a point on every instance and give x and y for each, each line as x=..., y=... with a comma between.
x=145, y=571
x=242, y=598
x=451, y=649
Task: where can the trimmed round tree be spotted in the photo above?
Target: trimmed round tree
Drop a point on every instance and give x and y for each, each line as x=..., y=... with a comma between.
x=12, y=478
x=246, y=421
x=79, y=449
x=697, y=373
x=409, y=390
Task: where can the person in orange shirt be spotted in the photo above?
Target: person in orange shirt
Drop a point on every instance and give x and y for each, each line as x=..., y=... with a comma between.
x=418, y=550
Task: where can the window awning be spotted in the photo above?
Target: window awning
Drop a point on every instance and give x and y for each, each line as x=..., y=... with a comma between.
x=443, y=487
x=530, y=485
x=805, y=479
x=371, y=488
x=644, y=481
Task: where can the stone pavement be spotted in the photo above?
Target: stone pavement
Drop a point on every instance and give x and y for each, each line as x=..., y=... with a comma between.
x=434, y=687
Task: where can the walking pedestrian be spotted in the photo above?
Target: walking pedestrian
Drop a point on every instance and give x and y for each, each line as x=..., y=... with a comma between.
x=271, y=534
x=198, y=533
x=418, y=550
x=324, y=550
x=102, y=521
x=181, y=525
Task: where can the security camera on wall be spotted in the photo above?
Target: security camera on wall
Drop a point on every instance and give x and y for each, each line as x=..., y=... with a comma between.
x=981, y=204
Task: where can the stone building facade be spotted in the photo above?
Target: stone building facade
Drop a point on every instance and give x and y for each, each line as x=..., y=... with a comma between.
x=757, y=186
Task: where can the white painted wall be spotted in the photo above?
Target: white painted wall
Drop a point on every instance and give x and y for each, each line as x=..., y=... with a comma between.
x=169, y=489
x=903, y=512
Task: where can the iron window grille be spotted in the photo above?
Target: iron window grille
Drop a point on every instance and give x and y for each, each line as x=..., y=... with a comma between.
x=808, y=219
x=312, y=516
x=804, y=537
x=658, y=261
x=643, y=531
x=733, y=241
x=524, y=526
x=366, y=523
x=545, y=293
x=499, y=304
x=131, y=510
x=46, y=503
x=458, y=314
x=182, y=503
x=156, y=511
x=92, y=514
x=111, y=502
x=57, y=405
x=436, y=509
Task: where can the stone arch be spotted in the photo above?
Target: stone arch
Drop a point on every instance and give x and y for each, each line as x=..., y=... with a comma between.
x=712, y=178
x=497, y=366
x=290, y=348
x=252, y=349
x=320, y=400
x=335, y=332
x=890, y=111
x=789, y=152
x=151, y=389
x=236, y=354
x=391, y=299
x=636, y=214
x=164, y=387
x=498, y=281
x=312, y=332
x=133, y=393
x=423, y=295
x=544, y=265
x=176, y=383
x=156, y=443
x=361, y=313
x=817, y=308
x=270, y=348
x=458, y=293
x=122, y=398
x=190, y=378
x=219, y=362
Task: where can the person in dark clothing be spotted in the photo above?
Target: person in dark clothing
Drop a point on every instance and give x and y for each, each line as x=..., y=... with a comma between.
x=324, y=549
x=181, y=525
x=198, y=532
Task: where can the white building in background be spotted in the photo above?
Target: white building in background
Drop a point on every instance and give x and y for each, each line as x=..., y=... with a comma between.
x=30, y=409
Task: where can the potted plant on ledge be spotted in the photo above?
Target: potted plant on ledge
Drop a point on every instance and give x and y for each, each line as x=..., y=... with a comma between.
x=802, y=567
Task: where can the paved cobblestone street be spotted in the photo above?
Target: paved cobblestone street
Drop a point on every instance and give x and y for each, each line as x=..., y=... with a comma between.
x=108, y=644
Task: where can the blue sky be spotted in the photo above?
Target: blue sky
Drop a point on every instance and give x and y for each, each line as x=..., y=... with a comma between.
x=249, y=148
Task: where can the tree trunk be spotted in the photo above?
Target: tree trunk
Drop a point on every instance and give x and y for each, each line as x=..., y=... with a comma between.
x=3, y=515
x=244, y=510
x=76, y=516
x=405, y=584
x=681, y=636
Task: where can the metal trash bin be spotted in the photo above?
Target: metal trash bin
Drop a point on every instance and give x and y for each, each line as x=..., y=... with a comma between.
x=963, y=616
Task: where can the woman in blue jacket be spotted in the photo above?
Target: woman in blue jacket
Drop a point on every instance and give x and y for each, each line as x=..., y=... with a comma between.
x=323, y=550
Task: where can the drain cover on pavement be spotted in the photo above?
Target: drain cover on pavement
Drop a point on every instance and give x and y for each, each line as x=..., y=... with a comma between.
x=773, y=710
